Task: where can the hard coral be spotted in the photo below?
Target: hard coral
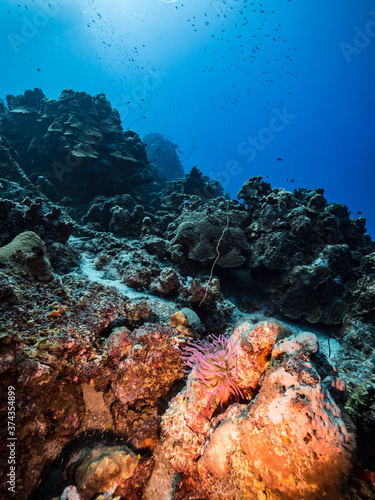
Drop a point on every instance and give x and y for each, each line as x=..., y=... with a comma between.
x=215, y=363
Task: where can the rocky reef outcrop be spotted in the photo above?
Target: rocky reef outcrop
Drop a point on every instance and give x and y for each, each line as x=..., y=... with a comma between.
x=63, y=350
x=308, y=254
x=163, y=155
x=74, y=146
x=98, y=377
x=309, y=257
x=292, y=429
x=160, y=340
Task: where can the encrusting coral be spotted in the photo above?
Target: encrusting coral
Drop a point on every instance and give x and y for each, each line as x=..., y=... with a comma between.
x=291, y=441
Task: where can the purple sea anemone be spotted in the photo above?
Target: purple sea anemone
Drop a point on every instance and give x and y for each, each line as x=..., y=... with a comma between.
x=215, y=363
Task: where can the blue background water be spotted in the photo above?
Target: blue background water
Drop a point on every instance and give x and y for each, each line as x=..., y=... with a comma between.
x=216, y=76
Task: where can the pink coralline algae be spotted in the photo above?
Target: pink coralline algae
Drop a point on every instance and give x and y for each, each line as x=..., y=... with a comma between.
x=215, y=364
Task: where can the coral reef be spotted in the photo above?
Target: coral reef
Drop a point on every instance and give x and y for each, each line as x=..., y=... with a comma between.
x=291, y=441
x=11, y=170
x=199, y=238
x=74, y=147
x=114, y=282
x=103, y=469
x=365, y=303
x=119, y=215
x=307, y=253
x=163, y=155
x=58, y=338
x=49, y=221
x=188, y=191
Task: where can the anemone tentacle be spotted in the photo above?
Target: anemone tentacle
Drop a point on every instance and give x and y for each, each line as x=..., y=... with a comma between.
x=215, y=363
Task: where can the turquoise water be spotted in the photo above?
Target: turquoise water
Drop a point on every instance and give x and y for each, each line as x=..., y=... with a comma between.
x=282, y=89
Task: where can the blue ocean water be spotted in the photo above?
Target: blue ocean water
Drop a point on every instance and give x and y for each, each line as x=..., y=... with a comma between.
x=283, y=88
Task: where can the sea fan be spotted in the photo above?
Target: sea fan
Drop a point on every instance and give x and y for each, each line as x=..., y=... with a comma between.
x=215, y=363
